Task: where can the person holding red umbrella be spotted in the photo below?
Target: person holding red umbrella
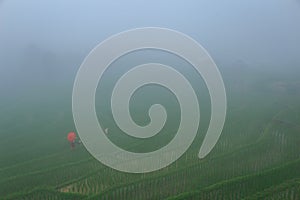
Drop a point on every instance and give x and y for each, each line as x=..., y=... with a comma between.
x=71, y=138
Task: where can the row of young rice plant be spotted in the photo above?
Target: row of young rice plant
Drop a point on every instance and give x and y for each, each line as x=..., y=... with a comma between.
x=245, y=161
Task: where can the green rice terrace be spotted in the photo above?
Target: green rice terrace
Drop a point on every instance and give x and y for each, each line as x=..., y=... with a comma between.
x=256, y=157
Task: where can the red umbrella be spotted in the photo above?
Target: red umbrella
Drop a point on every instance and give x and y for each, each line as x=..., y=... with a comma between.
x=71, y=137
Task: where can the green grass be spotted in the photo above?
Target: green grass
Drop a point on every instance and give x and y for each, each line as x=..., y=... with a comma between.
x=256, y=157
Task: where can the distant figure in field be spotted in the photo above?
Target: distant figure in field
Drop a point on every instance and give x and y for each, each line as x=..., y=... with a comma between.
x=71, y=138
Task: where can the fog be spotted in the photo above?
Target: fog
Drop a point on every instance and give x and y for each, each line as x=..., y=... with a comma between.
x=46, y=41
x=256, y=46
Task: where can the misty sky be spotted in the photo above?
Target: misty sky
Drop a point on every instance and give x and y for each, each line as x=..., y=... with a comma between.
x=260, y=33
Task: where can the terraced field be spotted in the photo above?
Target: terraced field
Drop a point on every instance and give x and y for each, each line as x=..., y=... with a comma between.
x=257, y=156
